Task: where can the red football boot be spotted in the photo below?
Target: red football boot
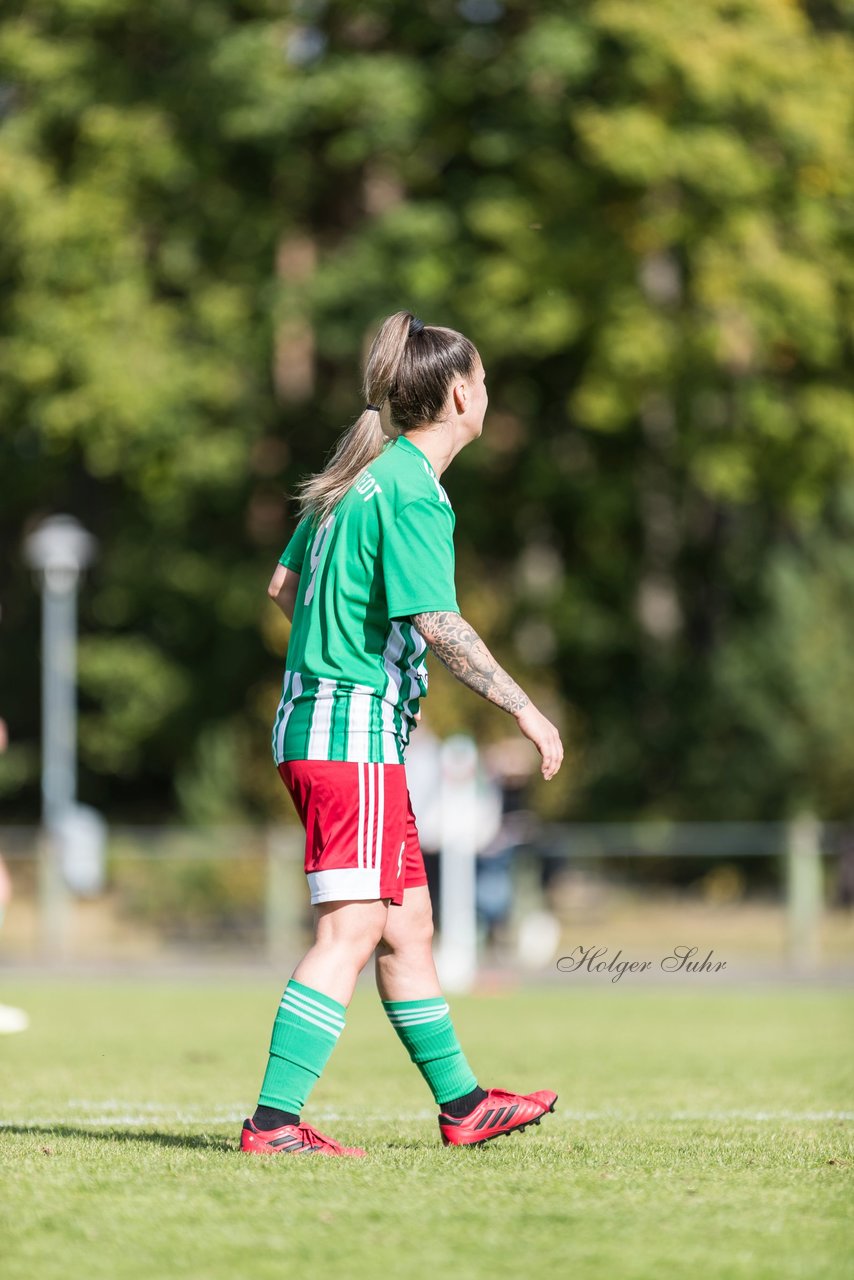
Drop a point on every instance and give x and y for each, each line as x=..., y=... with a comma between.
x=499, y=1112
x=293, y=1140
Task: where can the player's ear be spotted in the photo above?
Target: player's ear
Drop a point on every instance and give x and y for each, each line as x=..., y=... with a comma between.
x=460, y=395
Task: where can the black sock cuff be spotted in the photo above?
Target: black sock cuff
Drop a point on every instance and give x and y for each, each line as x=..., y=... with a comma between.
x=267, y=1118
x=459, y=1107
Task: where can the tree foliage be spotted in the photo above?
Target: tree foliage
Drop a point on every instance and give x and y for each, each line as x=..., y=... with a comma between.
x=642, y=215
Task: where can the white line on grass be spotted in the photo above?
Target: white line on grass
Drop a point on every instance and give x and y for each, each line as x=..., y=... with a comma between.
x=110, y=1113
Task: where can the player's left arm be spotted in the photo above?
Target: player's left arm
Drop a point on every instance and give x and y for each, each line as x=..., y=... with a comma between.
x=456, y=643
x=283, y=589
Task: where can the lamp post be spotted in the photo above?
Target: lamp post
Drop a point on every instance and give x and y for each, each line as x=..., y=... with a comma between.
x=456, y=960
x=59, y=550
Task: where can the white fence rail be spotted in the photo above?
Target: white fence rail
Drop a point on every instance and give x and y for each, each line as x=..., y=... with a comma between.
x=182, y=892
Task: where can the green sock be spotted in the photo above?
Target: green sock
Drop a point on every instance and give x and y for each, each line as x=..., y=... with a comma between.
x=305, y=1032
x=426, y=1029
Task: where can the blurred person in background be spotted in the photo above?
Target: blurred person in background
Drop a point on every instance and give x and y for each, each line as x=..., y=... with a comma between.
x=368, y=583
x=511, y=771
x=11, y=1019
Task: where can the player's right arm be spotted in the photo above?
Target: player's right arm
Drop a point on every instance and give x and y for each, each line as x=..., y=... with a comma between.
x=456, y=644
x=283, y=589
x=284, y=583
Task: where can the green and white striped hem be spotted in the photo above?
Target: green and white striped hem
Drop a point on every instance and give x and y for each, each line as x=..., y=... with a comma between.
x=416, y=1015
x=319, y=718
x=308, y=1009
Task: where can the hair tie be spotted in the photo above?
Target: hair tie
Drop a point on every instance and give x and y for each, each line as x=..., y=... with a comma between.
x=375, y=408
x=415, y=326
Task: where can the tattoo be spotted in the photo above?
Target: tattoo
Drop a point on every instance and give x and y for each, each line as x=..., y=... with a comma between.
x=461, y=649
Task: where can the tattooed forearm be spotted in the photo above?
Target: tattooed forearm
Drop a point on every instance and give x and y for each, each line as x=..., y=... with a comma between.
x=465, y=655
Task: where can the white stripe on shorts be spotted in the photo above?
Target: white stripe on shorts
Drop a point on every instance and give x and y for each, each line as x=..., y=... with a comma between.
x=378, y=860
x=369, y=842
x=360, y=843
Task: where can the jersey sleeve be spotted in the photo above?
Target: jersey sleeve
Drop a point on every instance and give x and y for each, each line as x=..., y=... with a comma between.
x=294, y=553
x=418, y=560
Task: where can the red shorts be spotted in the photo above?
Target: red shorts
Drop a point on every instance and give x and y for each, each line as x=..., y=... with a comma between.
x=361, y=841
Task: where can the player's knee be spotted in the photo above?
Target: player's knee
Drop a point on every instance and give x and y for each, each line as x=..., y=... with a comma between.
x=415, y=934
x=351, y=951
x=354, y=928
x=372, y=940
x=424, y=930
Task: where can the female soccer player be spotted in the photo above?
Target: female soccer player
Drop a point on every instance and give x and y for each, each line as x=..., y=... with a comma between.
x=368, y=582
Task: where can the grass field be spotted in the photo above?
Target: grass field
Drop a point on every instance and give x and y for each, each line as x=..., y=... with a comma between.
x=702, y=1133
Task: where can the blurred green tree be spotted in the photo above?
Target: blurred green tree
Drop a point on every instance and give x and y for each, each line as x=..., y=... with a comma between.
x=642, y=214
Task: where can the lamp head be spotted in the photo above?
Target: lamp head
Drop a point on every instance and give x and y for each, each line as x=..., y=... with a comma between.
x=60, y=548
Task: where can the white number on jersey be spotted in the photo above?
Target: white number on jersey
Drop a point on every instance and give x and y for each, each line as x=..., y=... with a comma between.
x=316, y=552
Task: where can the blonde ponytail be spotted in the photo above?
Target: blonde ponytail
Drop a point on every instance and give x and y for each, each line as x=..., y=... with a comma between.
x=410, y=365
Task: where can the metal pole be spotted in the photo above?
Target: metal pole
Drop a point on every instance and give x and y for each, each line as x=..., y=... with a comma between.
x=804, y=891
x=59, y=750
x=58, y=549
x=456, y=961
x=59, y=700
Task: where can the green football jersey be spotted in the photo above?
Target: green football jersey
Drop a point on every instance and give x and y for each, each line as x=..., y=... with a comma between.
x=355, y=669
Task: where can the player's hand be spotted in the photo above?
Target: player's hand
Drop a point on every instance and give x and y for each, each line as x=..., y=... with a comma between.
x=544, y=736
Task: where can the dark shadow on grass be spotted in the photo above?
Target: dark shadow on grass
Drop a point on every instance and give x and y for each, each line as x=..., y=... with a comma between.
x=200, y=1142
